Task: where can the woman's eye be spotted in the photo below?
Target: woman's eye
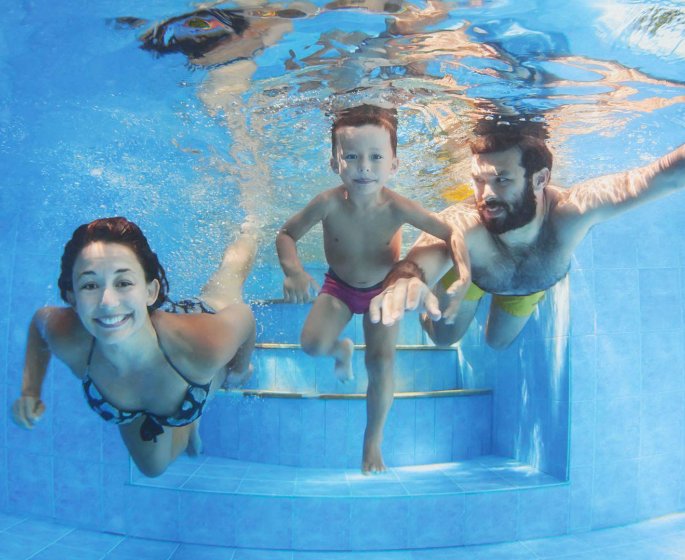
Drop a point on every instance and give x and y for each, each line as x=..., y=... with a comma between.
x=88, y=286
x=124, y=283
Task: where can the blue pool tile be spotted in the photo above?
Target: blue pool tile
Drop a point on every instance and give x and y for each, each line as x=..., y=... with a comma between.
x=614, y=245
x=366, y=533
x=142, y=549
x=255, y=513
x=582, y=433
x=310, y=514
x=77, y=491
x=613, y=445
x=7, y=521
x=207, y=518
x=662, y=426
x=267, y=487
x=321, y=488
x=612, y=289
x=660, y=299
x=436, y=521
x=15, y=547
x=246, y=554
x=41, y=532
x=543, y=512
x=61, y=552
x=202, y=552
x=30, y=480
x=658, y=476
x=91, y=540
x=618, y=352
x=488, y=517
x=580, y=504
x=152, y=512
x=662, y=362
x=611, y=503
x=582, y=301
x=210, y=484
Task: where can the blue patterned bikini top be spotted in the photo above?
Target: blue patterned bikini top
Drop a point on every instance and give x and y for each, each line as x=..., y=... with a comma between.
x=152, y=426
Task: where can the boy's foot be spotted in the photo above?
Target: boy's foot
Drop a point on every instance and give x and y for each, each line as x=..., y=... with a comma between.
x=343, y=360
x=237, y=379
x=372, y=459
x=194, y=447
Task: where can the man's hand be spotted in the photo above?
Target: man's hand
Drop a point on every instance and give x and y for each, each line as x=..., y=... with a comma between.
x=456, y=293
x=404, y=294
x=300, y=288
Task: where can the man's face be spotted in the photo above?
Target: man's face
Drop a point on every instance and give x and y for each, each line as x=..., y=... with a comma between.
x=505, y=197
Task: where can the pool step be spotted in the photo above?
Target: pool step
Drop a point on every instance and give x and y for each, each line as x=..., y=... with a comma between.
x=210, y=500
x=286, y=368
x=326, y=430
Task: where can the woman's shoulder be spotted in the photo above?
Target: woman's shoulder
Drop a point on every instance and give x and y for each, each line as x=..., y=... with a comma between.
x=67, y=339
x=200, y=343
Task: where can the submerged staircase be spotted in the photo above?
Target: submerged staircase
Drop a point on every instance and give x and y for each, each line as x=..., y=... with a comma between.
x=282, y=457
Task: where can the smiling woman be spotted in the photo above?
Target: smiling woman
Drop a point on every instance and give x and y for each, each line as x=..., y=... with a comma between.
x=147, y=369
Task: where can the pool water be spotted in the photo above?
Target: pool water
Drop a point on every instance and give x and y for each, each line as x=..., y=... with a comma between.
x=578, y=427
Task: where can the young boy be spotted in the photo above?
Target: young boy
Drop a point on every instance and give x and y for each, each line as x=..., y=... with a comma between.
x=362, y=222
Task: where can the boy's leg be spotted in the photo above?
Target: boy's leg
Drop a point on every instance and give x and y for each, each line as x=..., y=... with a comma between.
x=225, y=286
x=323, y=326
x=380, y=365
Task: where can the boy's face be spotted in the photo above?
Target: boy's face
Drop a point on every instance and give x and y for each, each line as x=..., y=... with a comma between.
x=364, y=158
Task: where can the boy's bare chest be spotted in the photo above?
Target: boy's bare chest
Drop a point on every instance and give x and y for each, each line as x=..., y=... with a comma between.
x=361, y=229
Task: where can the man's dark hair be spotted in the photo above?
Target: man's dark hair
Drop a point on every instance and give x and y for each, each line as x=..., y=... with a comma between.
x=535, y=155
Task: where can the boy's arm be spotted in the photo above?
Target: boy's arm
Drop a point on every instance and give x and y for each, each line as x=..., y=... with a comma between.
x=298, y=285
x=435, y=257
x=599, y=199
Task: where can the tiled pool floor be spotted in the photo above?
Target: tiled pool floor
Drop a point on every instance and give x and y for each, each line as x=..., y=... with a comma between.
x=24, y=538
x=220, y=475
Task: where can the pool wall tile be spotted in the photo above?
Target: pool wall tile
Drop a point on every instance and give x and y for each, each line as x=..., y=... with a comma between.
x=379, y=524
x=436, y=521
x=543, y=512
x=488, y=517
x=310, y=518
x=207, y=518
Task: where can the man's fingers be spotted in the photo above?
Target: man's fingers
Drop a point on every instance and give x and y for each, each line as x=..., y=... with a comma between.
x=375, y=308
x=432, y=305
x=394, y=302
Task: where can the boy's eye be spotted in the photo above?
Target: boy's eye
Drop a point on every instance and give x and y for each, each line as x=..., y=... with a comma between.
x=377, y=156
x=350, y=156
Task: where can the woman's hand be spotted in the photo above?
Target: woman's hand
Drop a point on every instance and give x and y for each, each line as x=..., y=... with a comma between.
x=27, y=411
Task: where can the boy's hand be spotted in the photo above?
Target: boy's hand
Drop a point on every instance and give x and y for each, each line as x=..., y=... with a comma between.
x=405, y=294
x=27, y=411
x=300, y=288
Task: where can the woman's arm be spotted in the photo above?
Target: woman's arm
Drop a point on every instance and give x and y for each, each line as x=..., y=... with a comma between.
x=29, y=408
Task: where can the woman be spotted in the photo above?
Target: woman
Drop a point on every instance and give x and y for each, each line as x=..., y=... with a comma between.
x=148, y=370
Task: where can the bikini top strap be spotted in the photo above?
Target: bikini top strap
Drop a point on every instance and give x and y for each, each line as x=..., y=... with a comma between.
x=90, y=354
x=173, y=366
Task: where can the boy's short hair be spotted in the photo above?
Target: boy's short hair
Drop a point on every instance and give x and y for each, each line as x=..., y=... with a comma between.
x=366, y=114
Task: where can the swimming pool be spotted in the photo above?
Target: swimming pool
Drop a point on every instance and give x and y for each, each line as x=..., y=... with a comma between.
x=93, y=125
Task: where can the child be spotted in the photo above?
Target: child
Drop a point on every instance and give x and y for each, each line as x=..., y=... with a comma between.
x=362, y=222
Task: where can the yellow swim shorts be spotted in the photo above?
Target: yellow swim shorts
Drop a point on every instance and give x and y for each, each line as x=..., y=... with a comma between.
x=518, y=306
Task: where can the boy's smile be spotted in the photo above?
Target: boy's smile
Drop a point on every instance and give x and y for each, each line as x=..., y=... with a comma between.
x=364, y=158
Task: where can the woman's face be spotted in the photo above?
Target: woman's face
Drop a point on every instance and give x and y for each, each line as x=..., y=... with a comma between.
x=110, y=293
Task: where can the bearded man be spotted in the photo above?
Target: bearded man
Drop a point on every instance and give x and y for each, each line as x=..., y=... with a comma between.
x=519, y=236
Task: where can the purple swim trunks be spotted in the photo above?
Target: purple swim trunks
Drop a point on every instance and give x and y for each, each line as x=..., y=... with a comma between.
x=357, y=299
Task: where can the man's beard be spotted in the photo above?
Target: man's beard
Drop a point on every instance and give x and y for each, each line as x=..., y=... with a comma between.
x=516, y=215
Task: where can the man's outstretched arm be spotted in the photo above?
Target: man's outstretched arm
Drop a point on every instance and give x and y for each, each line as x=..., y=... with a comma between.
x=604, y=197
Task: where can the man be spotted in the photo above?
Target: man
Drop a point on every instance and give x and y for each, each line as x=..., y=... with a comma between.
x=520, y=235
